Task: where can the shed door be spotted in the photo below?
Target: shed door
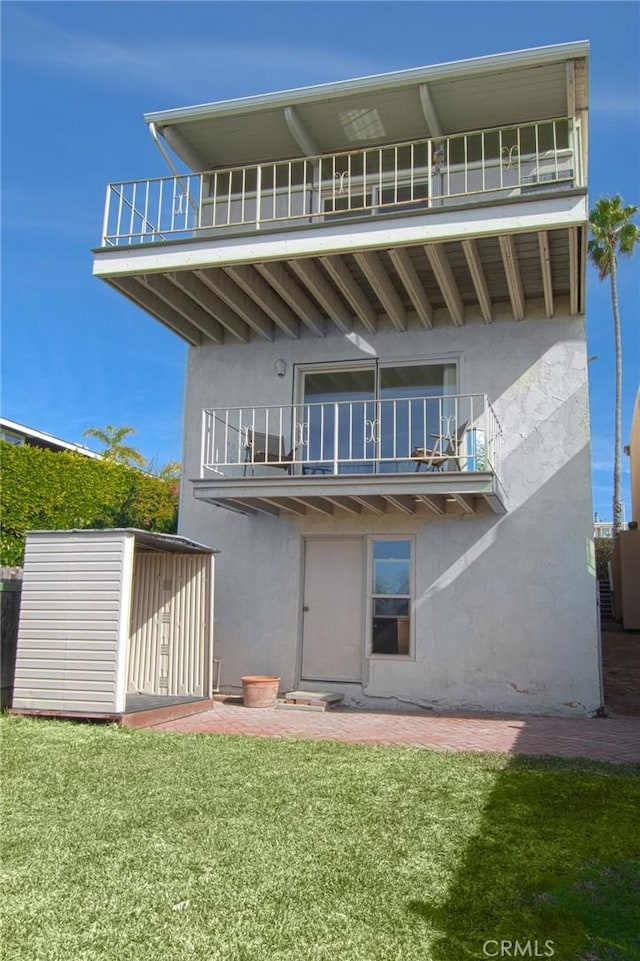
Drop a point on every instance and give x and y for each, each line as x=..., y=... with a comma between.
x=332, y=638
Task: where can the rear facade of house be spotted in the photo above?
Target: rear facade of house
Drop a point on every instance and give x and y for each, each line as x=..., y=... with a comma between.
x=386, y=424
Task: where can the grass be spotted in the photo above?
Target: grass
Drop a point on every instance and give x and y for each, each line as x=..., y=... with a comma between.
x=145, y=845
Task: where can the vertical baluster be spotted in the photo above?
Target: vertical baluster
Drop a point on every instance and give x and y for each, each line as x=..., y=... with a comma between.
x=466, y=165
x=120, y=199
x=258, y=195
x=243, y=198
x=146, y=209
x=229, y=195
x=322, y=432
x=409, y=409
x=483, y=162
x=226, y=437
x=500, y=157
x=412, y=168
x=274, y=175
x=107, y=215
x=336, y=437
x=555, y=150
x=430, y=172
x=537, y=148
x=395, y=175
x=350, y=430
x=159, y=220
x=289, y=191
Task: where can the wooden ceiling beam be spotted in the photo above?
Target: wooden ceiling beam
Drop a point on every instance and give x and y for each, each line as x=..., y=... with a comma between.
x=346, y=503
x=285, y=504
x=198, y=291
x=401, y=260
x=401, y=503
x=316, y=282
x=374, y=270
x=545, y=267
x=429, y=111
x=472, y=256
x=372, y=503
x=249, y=280
x=435, y=502
x=346, y=284
x=512, y=273
x=466, y=502
x=318, y=504
x=148, y=301
x=437, y=257
x=286, y=287
x=175, y=298
x=238, y=300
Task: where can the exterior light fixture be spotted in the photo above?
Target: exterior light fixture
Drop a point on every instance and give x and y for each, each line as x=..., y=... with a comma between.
x=280, y=367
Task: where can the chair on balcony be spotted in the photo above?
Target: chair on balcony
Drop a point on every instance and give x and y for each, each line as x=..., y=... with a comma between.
x=447, y=448
x=267, y=449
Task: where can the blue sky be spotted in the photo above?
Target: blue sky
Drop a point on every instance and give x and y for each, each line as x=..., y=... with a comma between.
x=76, y=80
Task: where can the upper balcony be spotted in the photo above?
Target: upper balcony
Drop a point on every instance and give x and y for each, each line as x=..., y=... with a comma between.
x=438, y=195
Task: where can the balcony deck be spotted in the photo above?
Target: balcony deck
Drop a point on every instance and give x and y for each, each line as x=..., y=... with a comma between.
x=441, y=454
x=478, y=225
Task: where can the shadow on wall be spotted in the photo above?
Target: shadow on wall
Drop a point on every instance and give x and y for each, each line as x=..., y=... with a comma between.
x=551, y=871
x=10, y=592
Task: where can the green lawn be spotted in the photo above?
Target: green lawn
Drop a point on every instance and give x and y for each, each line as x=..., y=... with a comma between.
x=143, y=845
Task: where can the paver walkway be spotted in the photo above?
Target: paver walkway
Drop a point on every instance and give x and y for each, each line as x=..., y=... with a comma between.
x=614, y=739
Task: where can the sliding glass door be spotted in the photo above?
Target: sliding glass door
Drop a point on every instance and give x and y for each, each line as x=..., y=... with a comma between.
x=369, y=418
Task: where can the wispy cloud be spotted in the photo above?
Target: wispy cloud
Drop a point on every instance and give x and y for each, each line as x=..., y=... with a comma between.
x=179, y=65
x=616, y=103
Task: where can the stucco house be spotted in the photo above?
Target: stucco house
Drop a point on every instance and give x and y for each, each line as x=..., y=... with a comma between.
x=386, y=426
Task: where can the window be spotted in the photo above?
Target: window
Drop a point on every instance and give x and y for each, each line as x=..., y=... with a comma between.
x=390, y=596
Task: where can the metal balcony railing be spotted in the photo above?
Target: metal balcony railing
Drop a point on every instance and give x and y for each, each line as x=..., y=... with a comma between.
x=448, y=433
x=395, y=178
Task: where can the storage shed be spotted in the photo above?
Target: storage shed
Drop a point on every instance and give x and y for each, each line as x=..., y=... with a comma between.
x=115, y=624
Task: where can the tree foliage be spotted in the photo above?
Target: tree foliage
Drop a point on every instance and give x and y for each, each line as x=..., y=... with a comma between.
x=613, y=233
x=44, y=490
x=114, y=448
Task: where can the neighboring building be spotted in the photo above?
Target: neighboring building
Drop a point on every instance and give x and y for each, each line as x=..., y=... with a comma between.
x=633, y=452
x=19, y=435
x=386, y=427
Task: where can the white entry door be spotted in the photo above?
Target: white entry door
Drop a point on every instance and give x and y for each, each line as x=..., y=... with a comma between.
x=332, y=637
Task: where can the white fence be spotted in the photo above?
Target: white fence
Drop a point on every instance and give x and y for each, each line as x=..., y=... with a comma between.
x=444, y=433
x=418, y=175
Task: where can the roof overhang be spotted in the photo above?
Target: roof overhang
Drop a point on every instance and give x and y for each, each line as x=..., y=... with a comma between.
x=483, y=92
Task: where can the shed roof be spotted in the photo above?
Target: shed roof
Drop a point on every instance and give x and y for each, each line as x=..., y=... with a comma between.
x=146, y=540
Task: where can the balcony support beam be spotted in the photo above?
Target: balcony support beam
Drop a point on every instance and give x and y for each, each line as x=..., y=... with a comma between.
x=237, y=300
x=465, y=502
x=429, y=111
x=512, y=272
x=194, y=288
x=264, y=295
x=285, y=286
x=470, y=248
x=314, y=280
x=437, y=257
x=435, y=503
x=403, y=504
x=346, y=503
x=317, y=504
x=175, y=298
x=372, y=503
x=408, y=274
x=142, y=297
x=545, y=266
x=374, y=270
x=300, y=133
x=344, y=281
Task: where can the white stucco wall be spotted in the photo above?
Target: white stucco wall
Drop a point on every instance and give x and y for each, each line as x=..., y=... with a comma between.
x=505, y=612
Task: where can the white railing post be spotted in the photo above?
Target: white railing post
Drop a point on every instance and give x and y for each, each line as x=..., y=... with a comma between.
x=336, y=436
x=105, y=219
x=258, y=194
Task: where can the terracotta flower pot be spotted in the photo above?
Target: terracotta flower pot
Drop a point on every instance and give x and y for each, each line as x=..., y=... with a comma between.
x=260, y=690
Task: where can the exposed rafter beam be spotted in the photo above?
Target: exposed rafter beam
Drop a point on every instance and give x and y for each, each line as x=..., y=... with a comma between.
x=300, y=133
x=231, y=504
x=264, y=295
x=285, y=504
x=346, y=503
x=437, y=257
x=472, y=256
x=574, y=272
x=545, y=267
x=374, y=270
x=429, y=111
x=401, y=503
x=236, y=298
x=434, y=502
x=372, y=503
x=408, y=274
x=571, y=89
x=284, y=285
x=466, y=502
x=316, y=282
x=178, y=300
x=318, y=504
x=211, y=304
x=512, y=272
x=345, y=282
x=144, y=298
x=258, y=505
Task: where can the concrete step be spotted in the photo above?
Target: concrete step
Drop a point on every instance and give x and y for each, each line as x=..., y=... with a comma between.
x=310, y=700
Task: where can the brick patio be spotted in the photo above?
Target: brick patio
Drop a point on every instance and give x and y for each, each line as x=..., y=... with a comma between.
x=615, y=739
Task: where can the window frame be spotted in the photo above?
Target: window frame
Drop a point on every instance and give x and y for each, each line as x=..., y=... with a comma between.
x=370, y=596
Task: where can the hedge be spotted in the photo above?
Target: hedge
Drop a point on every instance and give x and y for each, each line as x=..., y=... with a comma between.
x=45, y=490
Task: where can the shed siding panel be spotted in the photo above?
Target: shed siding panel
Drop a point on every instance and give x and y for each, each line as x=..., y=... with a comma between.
x=68, y=636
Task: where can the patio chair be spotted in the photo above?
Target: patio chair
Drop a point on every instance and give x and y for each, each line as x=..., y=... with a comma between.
x=447, y=447
x=267, y=449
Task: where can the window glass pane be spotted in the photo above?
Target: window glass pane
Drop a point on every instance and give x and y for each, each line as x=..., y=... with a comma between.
x=391, y=606
x=417, y=380
x=390, y=635
x=391, y=577
x=398, y=550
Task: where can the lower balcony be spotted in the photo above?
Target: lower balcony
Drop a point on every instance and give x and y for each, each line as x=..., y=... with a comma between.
x=440, y=454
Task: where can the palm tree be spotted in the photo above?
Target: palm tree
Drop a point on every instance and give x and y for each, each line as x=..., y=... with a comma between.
x=613, y=232
x=115, y=450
